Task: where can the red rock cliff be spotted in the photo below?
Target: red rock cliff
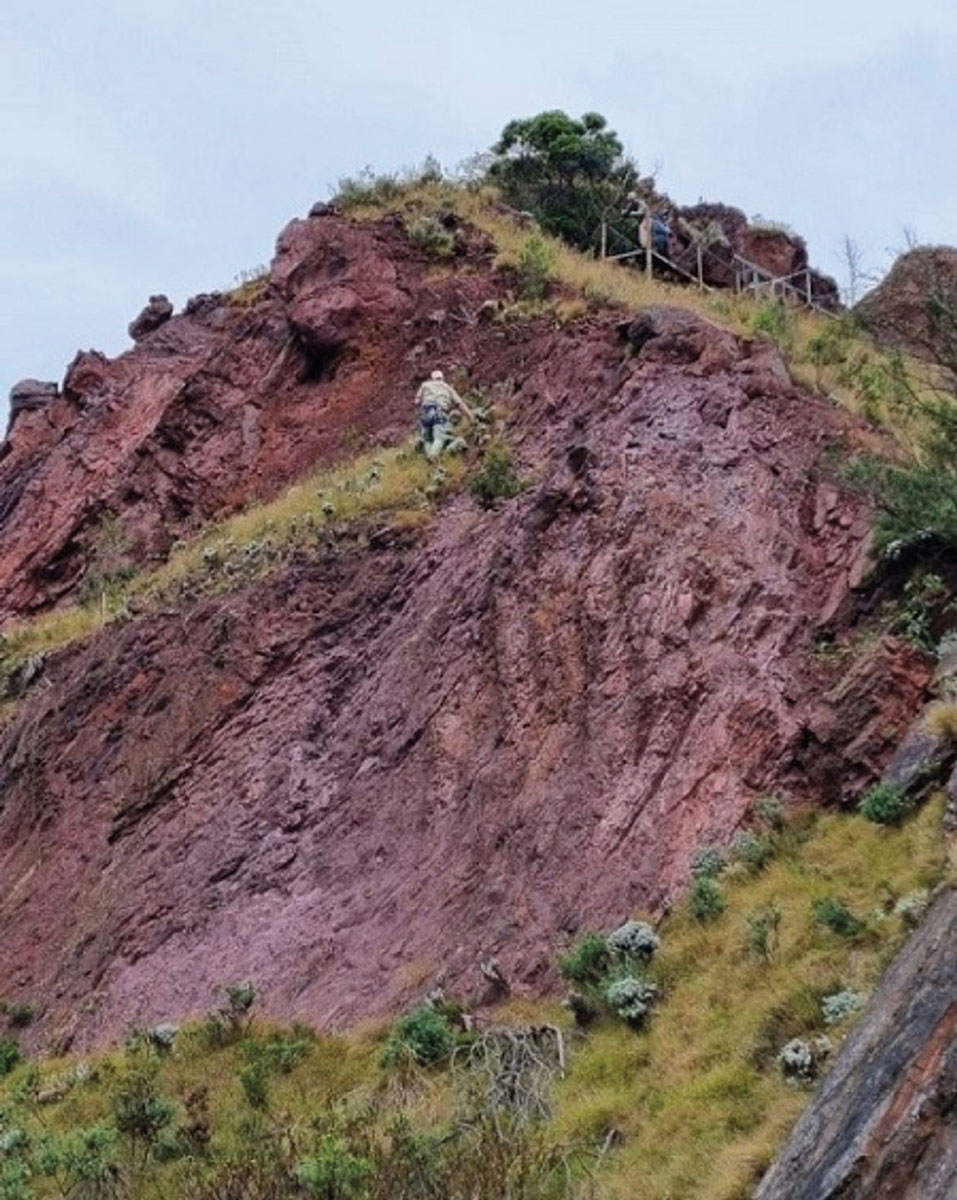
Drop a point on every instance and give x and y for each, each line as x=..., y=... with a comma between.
x=476, y=739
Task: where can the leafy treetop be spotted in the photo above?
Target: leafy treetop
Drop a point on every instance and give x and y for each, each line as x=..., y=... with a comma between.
x=567, y=172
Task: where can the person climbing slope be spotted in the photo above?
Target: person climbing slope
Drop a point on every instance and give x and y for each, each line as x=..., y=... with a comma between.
x=435, y=398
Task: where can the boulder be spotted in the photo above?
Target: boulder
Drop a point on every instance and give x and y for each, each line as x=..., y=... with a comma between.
x=203, y=303
x=156, y=313
x=919, y=759
x=27, y=396
x=896, y=310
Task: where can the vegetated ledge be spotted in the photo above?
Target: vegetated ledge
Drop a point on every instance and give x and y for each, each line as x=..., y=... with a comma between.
x=329, y=506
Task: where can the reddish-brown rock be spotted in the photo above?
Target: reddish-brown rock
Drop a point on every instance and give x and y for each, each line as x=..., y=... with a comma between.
x=393, y=761
x=777, y=252
x=897, y=312
x=226, y=403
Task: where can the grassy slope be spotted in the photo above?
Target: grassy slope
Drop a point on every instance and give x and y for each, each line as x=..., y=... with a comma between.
x=698, y=1098
x=397, y=483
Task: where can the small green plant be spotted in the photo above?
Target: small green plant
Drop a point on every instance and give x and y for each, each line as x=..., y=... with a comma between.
x=278, y=1053
x=334, y=1172
x=830, y=347
x=83, y=1162
x=840, y=1005
x=424, y=1035
x=763, y=931
x=536, y=268
x=631, y=998
x=708, y=862
x=772, y=810
x=588, y=961
x=834, y=914
x=430, y=235
x=140, y=1110
x=706, y=899
x=753, y=850
x=635, y=941
x=9, y=1055
x=15, y=1181
x=497, y=479
x=775, y=319
x=885, y=804
x=367, y=187
x=925, y=595
x=253, y=1079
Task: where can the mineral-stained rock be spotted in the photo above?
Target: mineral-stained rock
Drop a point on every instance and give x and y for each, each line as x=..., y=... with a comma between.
x=884, y=1124
x=156, y=313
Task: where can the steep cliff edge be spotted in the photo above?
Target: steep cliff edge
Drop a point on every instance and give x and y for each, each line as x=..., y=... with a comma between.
x=884, y=1124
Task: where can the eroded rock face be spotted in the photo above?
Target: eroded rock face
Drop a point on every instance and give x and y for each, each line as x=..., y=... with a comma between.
x=469, y=743
x=897, y=312
x=226, y=403
x=156, y=313
x=884, y=1124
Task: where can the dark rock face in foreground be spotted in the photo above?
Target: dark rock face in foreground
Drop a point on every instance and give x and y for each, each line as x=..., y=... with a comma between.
x=884, y=1125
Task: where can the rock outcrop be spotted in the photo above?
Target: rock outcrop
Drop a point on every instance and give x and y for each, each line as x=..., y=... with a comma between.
x=884, y=1124
x=776, y=251
x=398, y=759
x=900, y=312
x=227, y=403
x=156, y=313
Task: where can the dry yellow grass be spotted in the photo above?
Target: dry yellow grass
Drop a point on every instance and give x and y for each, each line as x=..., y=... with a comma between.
x=698, y=1097
x=399, y=482
x=942, y=720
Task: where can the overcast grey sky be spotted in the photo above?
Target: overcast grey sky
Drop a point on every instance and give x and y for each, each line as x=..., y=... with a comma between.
x=159, y=145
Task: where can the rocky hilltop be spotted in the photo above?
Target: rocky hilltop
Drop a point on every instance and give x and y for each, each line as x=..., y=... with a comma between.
x=413, y=745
